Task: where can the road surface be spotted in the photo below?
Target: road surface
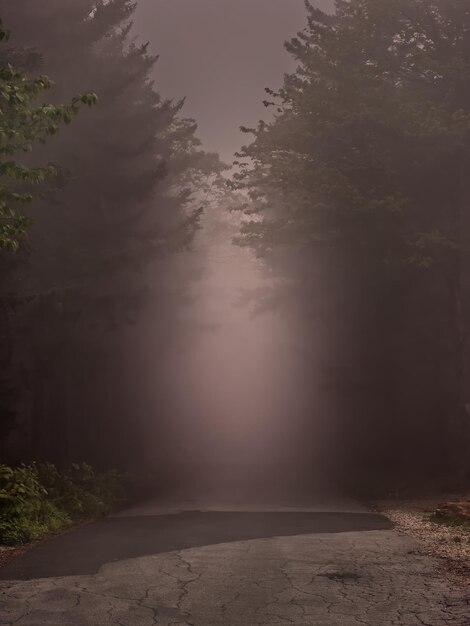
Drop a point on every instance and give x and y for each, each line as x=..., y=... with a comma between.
x=330, y=563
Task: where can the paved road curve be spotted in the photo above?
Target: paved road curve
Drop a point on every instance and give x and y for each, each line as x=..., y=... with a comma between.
x=175, y=566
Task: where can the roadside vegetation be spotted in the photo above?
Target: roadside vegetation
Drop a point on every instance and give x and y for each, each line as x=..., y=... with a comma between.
x=38, y=499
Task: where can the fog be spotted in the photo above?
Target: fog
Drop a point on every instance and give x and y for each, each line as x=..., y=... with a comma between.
x=229, y=278
x=220, y=55
x=240, y=380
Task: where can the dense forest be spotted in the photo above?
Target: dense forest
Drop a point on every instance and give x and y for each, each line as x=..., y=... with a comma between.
x=359, y=189
x=117, y=200
x=352, y=193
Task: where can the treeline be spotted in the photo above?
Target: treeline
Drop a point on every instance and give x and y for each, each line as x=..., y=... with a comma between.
x=357, y=194
x=360, y=188
x=106, y=233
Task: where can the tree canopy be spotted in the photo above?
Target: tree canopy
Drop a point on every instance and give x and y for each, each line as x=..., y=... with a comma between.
x=110, y=233
x=22, y=123
x=364, y=166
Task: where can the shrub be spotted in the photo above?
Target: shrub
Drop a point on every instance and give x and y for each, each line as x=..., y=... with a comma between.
x=81, y=492
x=25, y=511
x=38, y=499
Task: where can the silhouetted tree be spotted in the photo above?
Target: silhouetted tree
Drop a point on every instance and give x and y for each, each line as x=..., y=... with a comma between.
x=363, y=172
x=23, y=123
x=129, y=194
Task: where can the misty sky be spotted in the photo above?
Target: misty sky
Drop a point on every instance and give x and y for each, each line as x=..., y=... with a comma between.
x=220, y=54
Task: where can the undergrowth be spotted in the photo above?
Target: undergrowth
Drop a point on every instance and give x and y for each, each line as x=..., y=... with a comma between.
x=37, y=499
x=462, y=523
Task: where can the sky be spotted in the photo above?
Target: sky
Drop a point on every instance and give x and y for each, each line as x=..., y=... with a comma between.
x=242, y=376
x=220, y=55
x=238, y=379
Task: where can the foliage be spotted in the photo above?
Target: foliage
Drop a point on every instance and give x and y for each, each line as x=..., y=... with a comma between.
x=376, y=81
x=363, y=170
x=38, y=499
x=80, y=491
x=25, y=512
x=108, y=239
x=22, y=123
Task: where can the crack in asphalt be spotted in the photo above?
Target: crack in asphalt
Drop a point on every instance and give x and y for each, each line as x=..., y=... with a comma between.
x=358, y=579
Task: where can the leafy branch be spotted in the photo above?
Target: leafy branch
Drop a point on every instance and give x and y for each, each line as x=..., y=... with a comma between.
x=23, y=123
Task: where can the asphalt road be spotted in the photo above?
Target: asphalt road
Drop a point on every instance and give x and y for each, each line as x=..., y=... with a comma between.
x=173, y=565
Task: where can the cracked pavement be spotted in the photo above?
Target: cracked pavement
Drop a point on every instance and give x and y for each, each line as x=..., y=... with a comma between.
x=365, y=577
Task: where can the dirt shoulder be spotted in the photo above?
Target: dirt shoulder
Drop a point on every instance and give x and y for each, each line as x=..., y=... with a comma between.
x=448, y=540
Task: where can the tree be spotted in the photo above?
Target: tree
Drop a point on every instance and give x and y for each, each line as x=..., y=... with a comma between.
x=129, y=190
x=22, y=123
x=364, y=169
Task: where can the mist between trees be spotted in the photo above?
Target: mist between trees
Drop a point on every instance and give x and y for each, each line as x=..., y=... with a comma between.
x=307, y=309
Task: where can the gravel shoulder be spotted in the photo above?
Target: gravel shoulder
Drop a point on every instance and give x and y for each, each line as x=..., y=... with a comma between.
x=447, y=541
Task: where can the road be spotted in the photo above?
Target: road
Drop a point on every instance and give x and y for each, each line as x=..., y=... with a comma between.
x=325, y=563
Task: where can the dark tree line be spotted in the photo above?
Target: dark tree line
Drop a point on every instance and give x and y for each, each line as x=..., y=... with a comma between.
x=356, y=192
x=104, y=233
x=360, y=189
